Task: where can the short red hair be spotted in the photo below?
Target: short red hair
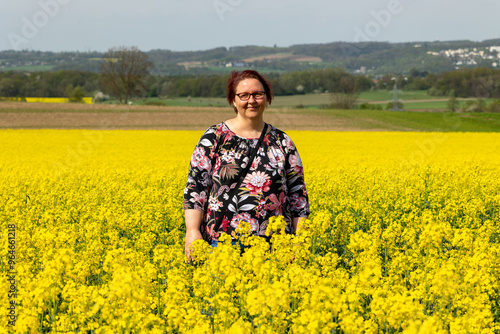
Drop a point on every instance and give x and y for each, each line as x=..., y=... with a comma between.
x=236, y=77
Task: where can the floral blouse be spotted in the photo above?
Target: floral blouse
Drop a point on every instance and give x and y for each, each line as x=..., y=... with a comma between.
x=274, y=184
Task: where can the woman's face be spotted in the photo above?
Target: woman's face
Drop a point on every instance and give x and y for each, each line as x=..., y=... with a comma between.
x=252, y=108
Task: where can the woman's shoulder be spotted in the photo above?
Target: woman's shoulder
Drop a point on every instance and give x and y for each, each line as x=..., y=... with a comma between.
x=274, y=129
x=218, y=133
x=216, y=129
x=280, y=138
x=277, y=133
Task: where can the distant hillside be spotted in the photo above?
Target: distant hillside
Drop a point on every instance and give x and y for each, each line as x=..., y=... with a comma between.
x=373, y=58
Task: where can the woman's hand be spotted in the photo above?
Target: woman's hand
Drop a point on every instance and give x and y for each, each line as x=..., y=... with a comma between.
x=191, y=236
x=193, y=222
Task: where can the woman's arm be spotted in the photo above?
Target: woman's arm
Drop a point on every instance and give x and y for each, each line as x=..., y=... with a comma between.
x=198, y=187
x=297, y=195
x=296, y=224
x=193, y=223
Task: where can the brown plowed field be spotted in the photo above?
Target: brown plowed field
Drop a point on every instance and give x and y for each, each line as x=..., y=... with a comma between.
x=16, y=115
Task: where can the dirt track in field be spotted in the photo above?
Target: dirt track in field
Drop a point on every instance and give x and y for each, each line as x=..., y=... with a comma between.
x=15, y=115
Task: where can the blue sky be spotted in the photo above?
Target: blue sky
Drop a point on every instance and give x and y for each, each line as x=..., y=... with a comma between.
x=189, y=25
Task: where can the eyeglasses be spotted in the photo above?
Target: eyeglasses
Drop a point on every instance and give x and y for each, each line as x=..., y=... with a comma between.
x=256, y=95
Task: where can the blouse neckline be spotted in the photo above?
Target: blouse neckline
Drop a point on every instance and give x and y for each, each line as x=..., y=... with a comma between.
x=236, y=135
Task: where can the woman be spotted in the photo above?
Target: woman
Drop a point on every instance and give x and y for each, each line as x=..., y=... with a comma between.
x=271, y=185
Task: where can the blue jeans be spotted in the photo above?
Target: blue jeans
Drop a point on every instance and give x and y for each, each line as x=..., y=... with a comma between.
x=215, y=243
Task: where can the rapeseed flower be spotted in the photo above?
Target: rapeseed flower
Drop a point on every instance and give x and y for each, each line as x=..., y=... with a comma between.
x=393, y=243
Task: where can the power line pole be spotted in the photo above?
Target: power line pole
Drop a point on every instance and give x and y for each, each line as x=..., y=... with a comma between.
x=395, y=103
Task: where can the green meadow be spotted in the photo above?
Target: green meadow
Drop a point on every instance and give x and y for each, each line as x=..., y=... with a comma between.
x=412, y=101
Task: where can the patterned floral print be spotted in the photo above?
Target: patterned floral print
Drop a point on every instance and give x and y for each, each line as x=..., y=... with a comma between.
x=273, y=186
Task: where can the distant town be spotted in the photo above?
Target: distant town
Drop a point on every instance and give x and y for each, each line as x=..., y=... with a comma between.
x=470, y=57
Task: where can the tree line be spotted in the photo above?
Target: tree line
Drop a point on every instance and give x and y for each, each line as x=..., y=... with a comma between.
x=47, y=84
x=378, y=57
x=60, y=83
x=477, y=82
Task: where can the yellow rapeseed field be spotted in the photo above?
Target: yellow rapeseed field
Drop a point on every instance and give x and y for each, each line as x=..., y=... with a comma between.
x=86, y=100
x=404, y=236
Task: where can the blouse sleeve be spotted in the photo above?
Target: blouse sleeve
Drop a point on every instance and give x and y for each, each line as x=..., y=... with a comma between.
x=297, y=194
x=199, y=180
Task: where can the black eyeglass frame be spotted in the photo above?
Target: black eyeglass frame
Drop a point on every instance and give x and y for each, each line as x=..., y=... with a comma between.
x=251, y=94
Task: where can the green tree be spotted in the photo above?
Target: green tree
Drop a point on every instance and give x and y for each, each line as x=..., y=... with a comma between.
x=75, y=94
x=363, y=83
x=10, y=87
x=346, y=94
x=453, y=103
x=477, y=105
x=124, y=72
